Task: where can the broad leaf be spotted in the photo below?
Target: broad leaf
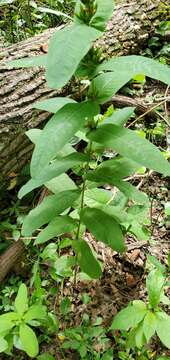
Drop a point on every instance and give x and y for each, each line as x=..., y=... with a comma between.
x=58, y=226
x=36, y=311
x=133, y=65
x=58, y=131
x=8, y=321
x=120, y=117
x=114, y=169
x=54, y=104
x=50, y=207
x=56, y=168
x=3, y=344
x=93, y=197
x=131, y=191
x=66, y=49
x=45, y=356
x=40, y=60
x=104, y=86
x=130, y=316
x=163, y=328
x=104, y=228
x=28, y=340
x=139, y=336
x=127, y=143
x=149, y=325
x=21, y=301
x=154, y=283
x=34, y=135
x=103, y=14
x=86, y=259
x=61, y=183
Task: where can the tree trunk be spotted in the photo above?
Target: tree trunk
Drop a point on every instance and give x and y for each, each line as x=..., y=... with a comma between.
x=128, y=32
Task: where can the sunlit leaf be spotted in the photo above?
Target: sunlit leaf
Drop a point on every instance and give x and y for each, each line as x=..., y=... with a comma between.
x=28, y=340
x=21, y=301
x=127, y=143
x=66, y=49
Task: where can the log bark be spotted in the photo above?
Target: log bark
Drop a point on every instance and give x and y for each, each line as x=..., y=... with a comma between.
x=128, y=32
x=10, y=257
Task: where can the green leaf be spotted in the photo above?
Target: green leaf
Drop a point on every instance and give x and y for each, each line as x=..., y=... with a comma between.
x=53, y=105
x=3, y=344
x=36, y=311
x=8, y=321
x=120, y=117
x=127, y=143
x=58, y=131
x=130, y=316
x=28, y=340
x=61, y=183
x=34, y=135
x=21, y=301
x=50, y=207
x=45, y=356
x=133, y=65
x=40, y=60
x=149, y=325
x=56, y=168
x=139, y=337
x=154, y=283
x=103, y=14
x=163, y=328
x=93, y=197
x=104, y=86
x=74, y=42
x=114, y=169
x=131, y=191
x=86, y=259
x=104, y=228
x=58, y=226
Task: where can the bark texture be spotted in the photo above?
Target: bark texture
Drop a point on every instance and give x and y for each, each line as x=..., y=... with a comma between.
x=128, y=32
x=10, y=257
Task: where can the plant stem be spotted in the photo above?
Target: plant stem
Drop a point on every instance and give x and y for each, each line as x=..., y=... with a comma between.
x=82, y=206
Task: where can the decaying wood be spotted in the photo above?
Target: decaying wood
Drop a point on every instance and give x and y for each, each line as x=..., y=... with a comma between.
x=128, y=31
x=10, y=257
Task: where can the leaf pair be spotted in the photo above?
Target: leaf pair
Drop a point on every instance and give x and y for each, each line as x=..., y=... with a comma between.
x=22, y=315
x=127, y=143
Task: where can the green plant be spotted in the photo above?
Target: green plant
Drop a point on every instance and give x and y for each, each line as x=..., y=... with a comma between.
x=23, y=18
x=75, y=206
x=144, y=320
x=89, y=340
x=16, y=327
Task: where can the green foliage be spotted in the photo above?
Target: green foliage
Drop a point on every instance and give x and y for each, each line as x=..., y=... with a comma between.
x=18, y=324
x=106, y=221
x=23, y=18
x=68, y=160
x=146, y=320
x=85, y=339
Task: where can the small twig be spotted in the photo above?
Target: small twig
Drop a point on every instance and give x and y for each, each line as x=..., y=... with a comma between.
x=147, y=112
x=137, y=245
